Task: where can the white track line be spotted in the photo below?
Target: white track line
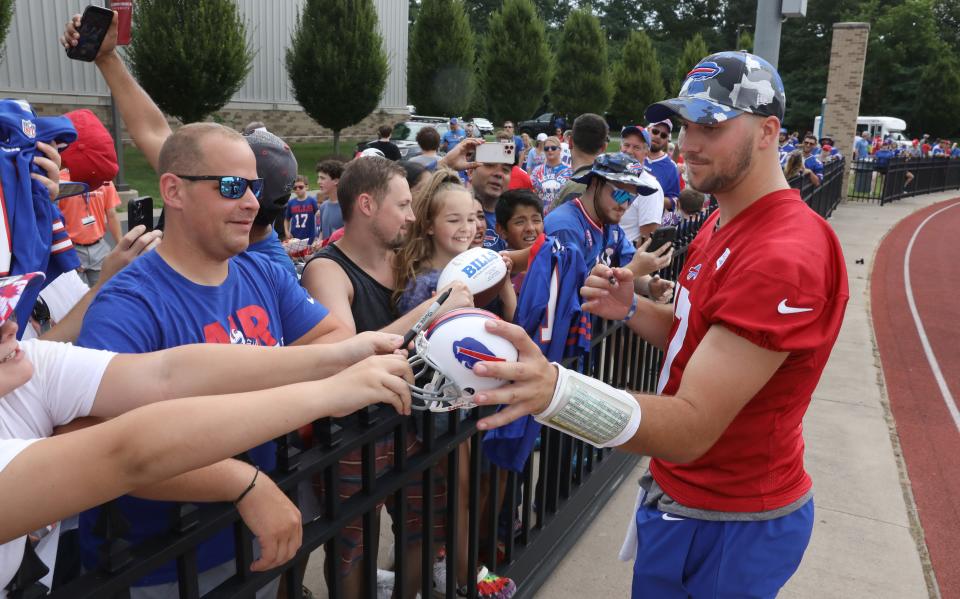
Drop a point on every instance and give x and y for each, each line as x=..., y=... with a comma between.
x=934, y=365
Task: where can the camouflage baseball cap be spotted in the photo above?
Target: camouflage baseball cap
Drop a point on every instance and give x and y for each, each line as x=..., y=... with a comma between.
x=723, y=86
x=621, y=168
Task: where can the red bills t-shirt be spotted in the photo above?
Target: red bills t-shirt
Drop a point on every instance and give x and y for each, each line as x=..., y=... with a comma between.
x=774, y=275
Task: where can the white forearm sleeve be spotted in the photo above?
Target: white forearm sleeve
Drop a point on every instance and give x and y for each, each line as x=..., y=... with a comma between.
x=590, y=410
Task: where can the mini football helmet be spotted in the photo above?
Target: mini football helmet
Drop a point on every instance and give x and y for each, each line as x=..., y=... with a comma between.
x=446, y=353
x=479, y=268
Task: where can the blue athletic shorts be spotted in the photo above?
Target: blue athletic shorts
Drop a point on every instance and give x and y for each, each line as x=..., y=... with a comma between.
x=682, y=557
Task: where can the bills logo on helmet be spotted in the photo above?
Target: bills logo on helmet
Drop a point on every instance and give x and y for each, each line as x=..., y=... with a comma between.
x=693, y=272
x=468, y=351
x=705, y=70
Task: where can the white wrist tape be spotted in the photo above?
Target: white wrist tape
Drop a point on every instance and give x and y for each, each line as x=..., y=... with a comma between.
x=590, y=410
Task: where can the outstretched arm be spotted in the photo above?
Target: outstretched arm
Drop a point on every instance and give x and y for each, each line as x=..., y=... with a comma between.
x=87, y=467
x=144, y=120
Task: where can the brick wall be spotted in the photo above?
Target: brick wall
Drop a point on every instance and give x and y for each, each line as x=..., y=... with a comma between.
x=848, y=55
x=291, y=125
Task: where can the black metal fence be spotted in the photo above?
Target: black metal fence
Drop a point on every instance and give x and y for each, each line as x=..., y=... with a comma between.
x=825, y=197
x=902, y=178
x=562, y=487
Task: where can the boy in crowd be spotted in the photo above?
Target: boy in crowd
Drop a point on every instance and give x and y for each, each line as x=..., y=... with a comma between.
x=300, y=215
x=519, y=215
x=328, y=178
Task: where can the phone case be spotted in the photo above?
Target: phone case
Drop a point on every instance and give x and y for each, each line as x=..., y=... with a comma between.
x=94, y=25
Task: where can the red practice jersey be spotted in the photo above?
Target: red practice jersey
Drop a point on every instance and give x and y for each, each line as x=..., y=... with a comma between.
x=774, y=275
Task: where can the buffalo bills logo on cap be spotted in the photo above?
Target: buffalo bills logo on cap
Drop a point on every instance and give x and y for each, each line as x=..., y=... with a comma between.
x=693, y=272
x=468, y=351
x=29, y=128
x=635, y=167
x=705, y=70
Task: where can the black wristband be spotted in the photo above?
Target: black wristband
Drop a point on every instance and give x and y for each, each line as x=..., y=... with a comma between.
x=253, y=483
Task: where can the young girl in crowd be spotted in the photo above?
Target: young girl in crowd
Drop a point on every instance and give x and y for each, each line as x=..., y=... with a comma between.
x=445, y=225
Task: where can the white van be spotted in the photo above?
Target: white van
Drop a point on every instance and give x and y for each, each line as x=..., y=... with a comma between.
x=884, y=126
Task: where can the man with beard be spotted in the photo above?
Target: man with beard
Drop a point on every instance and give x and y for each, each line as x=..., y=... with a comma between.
x=661, y=165
x=354, y=278
x=726, y=508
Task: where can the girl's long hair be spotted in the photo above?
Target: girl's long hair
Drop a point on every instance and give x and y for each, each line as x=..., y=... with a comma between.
x=794, y=165
x=419, y=246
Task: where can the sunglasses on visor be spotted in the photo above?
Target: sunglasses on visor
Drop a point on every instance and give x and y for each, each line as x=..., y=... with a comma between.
x=231, y=187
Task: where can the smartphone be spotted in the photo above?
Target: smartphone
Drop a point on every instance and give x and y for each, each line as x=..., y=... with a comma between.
x=94, y=25
x=160, y=220
x=661, y=236
x=499, y=152
x=140, y=212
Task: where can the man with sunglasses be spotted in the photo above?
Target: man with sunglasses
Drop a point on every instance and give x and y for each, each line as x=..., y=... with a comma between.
x=661, y=165
x=591, y=221
x=301, y=213
x=517, y=140
x=200, y=285
x=812, y=167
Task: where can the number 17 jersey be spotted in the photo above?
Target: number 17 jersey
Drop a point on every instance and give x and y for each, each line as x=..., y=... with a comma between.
x=775, y=276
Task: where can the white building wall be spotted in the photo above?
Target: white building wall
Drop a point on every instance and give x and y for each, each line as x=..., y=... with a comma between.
x=35, y=67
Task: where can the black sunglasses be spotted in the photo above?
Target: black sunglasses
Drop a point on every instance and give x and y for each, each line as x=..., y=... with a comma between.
x=231, y=187
x=551, y=148
x=658, y=133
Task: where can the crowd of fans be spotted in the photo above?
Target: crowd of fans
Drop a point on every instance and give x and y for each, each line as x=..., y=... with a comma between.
x=250, y=256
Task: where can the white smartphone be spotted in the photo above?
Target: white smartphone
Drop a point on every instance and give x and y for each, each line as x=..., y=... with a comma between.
x=496, y=152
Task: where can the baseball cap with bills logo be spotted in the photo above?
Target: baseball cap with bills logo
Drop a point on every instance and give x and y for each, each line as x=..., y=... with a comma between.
x=636, y=130
x=12, y=288
x=723, y=86
x=621, y=168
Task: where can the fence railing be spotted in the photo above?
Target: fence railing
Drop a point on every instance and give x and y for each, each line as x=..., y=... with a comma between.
x=562, y=487
x=902, y=178
x=825, y=197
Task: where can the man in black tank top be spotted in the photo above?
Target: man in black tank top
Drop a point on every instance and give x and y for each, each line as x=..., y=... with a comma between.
x=354, y=278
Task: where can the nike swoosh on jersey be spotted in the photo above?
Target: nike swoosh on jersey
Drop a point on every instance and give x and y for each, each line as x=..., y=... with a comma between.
x=669, y=517
x=783, y=308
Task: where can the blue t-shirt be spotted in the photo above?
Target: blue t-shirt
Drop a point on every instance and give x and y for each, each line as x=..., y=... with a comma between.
x=490, y=238
x=271, y=247
x=813, y=163
x=861, y=148
x=148, y=306
x=665, y=170
x=302, y=217
x=571, y=225
x=331, y=218
x=452, y=138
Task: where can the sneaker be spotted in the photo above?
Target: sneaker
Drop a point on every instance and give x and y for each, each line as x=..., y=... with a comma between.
x=385, y=581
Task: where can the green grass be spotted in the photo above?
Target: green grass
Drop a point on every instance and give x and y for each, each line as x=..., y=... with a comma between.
x=140, y=176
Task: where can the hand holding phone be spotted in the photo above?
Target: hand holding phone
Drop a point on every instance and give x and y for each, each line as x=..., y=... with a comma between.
x=140, y=212
x=661, y=236
x=496, y=152
x=94, y=25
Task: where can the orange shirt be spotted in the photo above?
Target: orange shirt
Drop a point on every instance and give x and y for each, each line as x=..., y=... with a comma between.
x=78, y=210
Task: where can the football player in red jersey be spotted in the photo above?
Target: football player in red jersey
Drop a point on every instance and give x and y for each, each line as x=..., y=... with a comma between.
x=726, y=508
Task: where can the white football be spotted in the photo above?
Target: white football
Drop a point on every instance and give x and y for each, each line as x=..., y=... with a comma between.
x=480, y=268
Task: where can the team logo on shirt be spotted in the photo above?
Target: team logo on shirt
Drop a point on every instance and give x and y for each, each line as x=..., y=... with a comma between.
x=705, y=70
x=247, y=326
x=723, y=258
x=693, y=272
x=468, y=351
x=29, y=128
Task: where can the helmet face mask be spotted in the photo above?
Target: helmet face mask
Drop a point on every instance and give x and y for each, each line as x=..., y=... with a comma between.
x=447, y=351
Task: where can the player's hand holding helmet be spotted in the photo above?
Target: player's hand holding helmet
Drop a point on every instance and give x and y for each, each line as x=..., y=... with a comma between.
x=447, y=354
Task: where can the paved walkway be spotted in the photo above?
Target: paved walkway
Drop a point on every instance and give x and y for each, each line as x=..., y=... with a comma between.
x=865, y=540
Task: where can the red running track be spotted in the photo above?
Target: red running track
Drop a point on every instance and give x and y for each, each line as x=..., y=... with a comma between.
x=928, y=242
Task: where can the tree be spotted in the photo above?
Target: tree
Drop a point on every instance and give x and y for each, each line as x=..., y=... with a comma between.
x=745, y=41
x=636, y=79
x=336, y=63
x=191, y=56
x=6, y=15
x=940, y=117
x=693, y=52
x=581, y=81
x=440, y=73
x=516, y=61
